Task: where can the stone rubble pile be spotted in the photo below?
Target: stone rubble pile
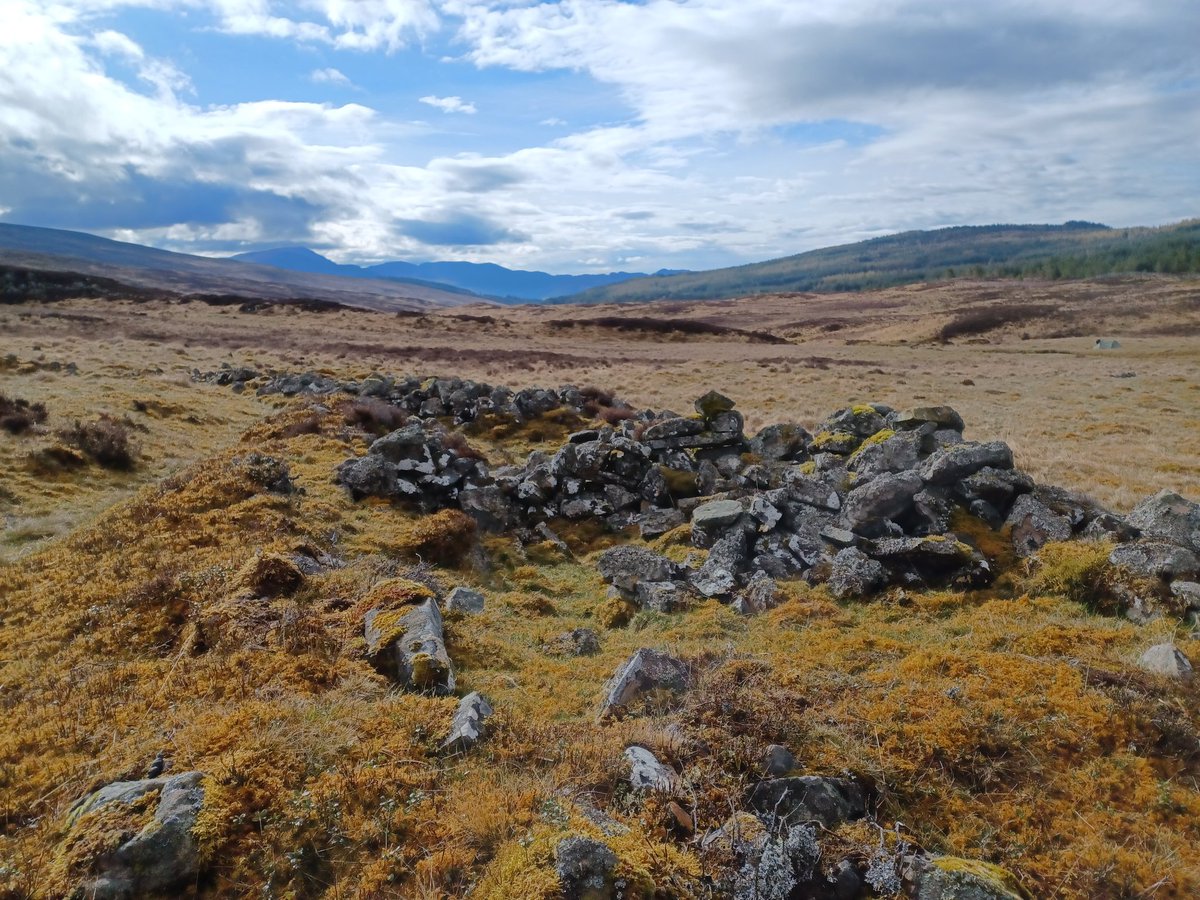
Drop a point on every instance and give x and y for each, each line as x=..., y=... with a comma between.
x=876, y=497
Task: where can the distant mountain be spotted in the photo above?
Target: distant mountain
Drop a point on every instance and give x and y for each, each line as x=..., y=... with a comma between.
x=147, y=268
x=482, y=278
x=1071, y=250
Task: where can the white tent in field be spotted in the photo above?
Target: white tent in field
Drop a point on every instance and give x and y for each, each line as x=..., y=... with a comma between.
x=1107, y=344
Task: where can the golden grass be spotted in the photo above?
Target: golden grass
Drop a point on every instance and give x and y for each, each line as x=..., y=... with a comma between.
x=1000, y=726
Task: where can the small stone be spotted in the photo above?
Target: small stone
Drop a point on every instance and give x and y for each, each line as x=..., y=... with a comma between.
x=646, y=773
x=467, y=728
x=810, y=798
x=855, y=574
x=585, y=868
x=648, y=675
x=941, y=416
x=715, y=515
x=660, y=596
x=712, y=403
x=465, y=600
x=778, y=761
x=1166, y=659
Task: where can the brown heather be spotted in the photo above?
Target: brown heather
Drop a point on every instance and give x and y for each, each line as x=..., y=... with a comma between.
x=151, y=609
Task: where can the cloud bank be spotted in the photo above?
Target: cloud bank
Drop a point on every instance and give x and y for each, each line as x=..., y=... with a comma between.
x=702, y=132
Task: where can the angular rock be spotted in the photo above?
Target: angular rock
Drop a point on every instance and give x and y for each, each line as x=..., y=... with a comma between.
x=488, y=506
x=758, y=596
x=951, y=878
x=465, y=600
x=710, y=518
x=797, y=799
x=778, y=761
x=656, y=522
x=712, y=403
x=884, y=497
x=859, y=421
x=1166, y=659
x=940, y=416
x=660, y=596
x=577, y=642
x=997, y=487
x=728, y=422
x=898, y=453
x=855, y=574
x=649, y=676
x=406, y=442
x=1169, y=516
x=646, y=773
x=368, y=476
x=780, y=442
x=627, y=566
x=673, y=428
x=954, y=463
x=160, y=857
x=717, y=577
x=1034, y=525
x=467, y=728
x=1187, y=592
x=1156, y=559
x=585, y=868
x=409, y=646
x=764, y=513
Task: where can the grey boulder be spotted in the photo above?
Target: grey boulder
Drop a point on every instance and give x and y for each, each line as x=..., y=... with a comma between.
x=646, y=773
x=465, y=600
x=884, y=497
x=954, y=463
x=585, y=868
x=798, y=799
x=467, y=728
x=1034, y=525
x=410, y=647
x=855, y=574
x=627, y=566
x=161, y=856
x=648, y=676
x=1168, y=515
x=1166, y=659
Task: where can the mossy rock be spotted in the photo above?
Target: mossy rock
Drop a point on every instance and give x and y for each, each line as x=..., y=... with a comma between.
x=953, y=878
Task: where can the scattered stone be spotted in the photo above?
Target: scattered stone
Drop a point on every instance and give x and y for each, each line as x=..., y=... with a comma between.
x=660, y=596
x=467, y=728
x=1034, y=525
x=1188, y=592
x=627, y=566
x=855, y=574
x=1166, y=659
x=646, y=773
x=758, y=595
x=465, y=600
x=161, y=856
x=649, y=676
x=798, y=799
x=1156, y=559
x=409, y=646
x=778, y=761
x=951, y=878
x=1169, y=516
x=576, y=642
x=585, y=868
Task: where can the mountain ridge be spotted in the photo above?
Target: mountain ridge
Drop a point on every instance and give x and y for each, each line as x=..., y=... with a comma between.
x=1072, y=250
x=488, y=279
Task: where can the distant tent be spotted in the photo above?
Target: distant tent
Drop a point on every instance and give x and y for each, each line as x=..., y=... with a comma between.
x=1107, y=344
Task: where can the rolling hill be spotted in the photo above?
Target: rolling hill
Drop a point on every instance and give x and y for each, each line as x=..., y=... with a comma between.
x=1071, y=250
x=142, y=268
x=488, y=279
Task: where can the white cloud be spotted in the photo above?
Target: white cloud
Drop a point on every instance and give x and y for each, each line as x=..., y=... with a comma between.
x=345, y=24
x=717, y=145
x=449, y=104
x=329, y=76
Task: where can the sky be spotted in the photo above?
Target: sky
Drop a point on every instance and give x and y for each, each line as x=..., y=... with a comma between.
x=591, y=135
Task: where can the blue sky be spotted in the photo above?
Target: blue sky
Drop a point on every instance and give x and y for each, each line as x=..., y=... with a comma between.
x=590, y=135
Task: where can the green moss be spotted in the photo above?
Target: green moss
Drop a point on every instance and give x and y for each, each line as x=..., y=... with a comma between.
x=995, y=877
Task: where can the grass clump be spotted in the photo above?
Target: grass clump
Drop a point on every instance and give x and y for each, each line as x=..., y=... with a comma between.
x=17, y=416
x=1077, y=570
x=105, y=440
